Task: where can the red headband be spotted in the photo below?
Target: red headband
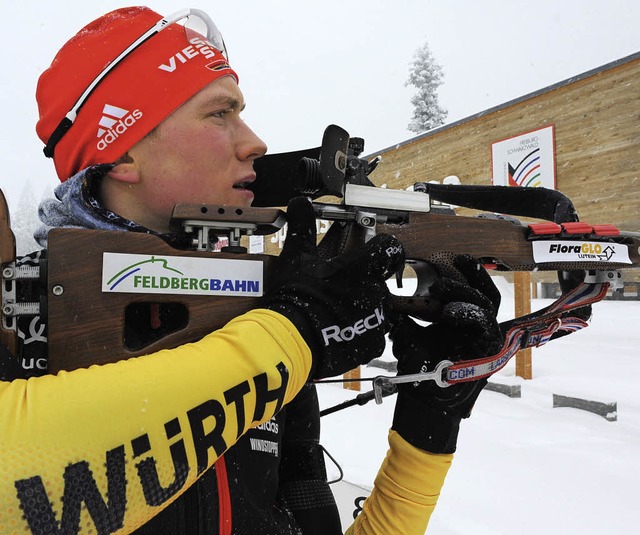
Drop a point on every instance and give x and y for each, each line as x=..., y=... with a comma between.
x=136, y=96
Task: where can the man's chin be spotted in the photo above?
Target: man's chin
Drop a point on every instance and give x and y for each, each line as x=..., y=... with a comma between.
x=242, y=197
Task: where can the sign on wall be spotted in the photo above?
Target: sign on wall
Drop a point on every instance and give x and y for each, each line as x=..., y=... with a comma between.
x=525, y=160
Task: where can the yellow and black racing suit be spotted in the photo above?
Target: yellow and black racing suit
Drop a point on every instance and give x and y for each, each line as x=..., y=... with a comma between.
x=104, y=449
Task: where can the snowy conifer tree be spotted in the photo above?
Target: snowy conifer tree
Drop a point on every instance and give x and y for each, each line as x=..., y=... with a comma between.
x=426, y=76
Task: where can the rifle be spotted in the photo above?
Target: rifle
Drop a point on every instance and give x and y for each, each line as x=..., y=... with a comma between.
x=95, y=278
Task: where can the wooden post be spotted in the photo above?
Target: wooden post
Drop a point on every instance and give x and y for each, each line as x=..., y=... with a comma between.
x=522, y=301
x=353, y=374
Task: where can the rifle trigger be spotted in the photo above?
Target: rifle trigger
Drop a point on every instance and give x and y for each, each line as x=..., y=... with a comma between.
x=399, y=276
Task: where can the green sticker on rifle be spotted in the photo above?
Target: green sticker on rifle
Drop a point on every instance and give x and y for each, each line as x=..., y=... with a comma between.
x=187, y=275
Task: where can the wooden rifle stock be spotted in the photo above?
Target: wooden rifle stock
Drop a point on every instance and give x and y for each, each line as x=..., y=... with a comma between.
x=499, y=244
x=502, y=243
x=86, y=324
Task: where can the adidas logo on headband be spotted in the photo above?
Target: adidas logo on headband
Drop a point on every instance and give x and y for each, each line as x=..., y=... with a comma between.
x=113, y=123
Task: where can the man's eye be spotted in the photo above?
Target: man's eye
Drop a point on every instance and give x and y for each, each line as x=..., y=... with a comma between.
x=220, y=113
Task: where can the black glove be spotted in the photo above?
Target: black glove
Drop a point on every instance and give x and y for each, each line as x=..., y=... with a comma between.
x=427, y=415
x=339, y=305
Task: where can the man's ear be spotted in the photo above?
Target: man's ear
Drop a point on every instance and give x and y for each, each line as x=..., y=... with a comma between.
x=125, y=170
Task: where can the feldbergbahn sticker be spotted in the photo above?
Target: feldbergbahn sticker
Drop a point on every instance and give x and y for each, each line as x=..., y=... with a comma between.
x=139, y=273
x=580, y=251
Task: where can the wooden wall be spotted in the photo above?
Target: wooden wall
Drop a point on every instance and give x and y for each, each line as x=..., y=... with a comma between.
x=597, y=137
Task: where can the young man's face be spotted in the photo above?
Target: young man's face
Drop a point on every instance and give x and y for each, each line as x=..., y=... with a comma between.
x=202, y=153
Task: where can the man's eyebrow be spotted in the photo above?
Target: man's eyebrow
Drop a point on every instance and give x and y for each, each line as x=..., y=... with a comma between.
x=226, y=101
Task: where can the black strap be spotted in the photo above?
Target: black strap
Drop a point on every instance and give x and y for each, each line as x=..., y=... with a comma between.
x=56, y=136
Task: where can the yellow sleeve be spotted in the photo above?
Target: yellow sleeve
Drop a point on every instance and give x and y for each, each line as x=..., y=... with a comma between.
x=405, y=491
x=107, y=447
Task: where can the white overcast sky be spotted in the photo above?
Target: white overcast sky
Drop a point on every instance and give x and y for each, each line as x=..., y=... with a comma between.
x=304, y=65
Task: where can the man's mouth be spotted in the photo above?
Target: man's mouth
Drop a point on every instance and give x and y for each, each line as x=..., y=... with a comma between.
x=244, y=184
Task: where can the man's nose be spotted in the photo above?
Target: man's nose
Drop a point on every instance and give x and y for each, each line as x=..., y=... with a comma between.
x=250, y=146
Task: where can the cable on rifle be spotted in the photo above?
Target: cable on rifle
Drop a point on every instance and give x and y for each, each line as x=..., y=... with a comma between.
x=360, y=399
x=360, y=380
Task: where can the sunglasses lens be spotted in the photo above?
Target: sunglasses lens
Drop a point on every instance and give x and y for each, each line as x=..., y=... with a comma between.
x=197, y=27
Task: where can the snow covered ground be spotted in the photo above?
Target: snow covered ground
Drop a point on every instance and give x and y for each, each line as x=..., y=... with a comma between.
x=523, y=467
